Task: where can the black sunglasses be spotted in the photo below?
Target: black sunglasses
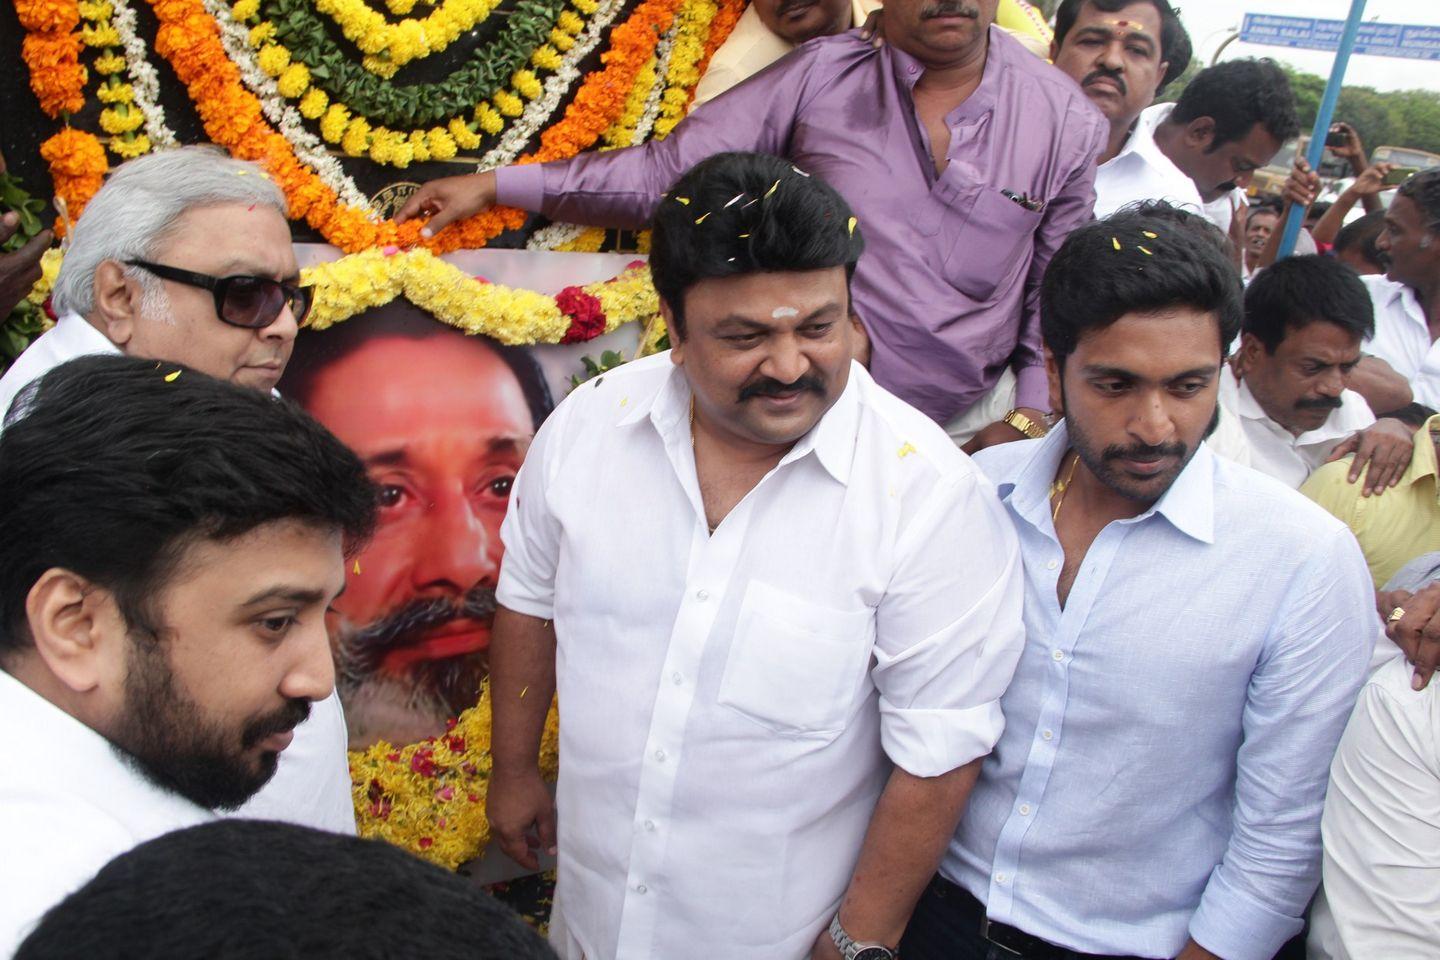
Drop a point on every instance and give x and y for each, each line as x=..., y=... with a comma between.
x=241, y=301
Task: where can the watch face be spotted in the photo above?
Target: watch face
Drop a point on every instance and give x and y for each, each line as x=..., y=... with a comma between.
x=874, y=953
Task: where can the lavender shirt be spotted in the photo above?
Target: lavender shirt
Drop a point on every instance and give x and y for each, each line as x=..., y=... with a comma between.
x=948, y=287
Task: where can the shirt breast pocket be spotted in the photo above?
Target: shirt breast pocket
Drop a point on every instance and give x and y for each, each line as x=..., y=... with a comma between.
x=991, y=244
x=796, y=667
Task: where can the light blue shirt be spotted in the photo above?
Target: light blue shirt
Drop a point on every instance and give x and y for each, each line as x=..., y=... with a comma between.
x=1168, y=734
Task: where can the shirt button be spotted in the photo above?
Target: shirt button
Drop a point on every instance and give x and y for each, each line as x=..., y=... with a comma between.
x=641, y=888
x=1058, y=655
x=702, y=595
x=677, y=678
x=1051, y=565
x=660, y=755
x=1024, y=809
x=1048, y=735
x=1002, y=878
x=650, y=825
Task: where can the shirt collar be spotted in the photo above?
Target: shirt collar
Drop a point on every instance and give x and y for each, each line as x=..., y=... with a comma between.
x=1423, y=462
x=832, y=440
x=1189, y=504
x=997, y=59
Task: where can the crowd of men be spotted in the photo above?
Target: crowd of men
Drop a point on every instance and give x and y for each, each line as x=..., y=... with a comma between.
x=1147, y=677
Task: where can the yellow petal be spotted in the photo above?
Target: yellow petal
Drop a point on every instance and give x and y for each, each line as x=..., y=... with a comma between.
x=1116, y=242
x=172, y=377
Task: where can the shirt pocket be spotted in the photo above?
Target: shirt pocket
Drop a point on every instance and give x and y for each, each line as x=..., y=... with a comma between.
x=796, y=667
x=990, y=246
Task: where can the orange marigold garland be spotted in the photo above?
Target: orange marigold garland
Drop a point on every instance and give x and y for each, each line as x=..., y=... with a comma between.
x=77, y=167
x=52, y=52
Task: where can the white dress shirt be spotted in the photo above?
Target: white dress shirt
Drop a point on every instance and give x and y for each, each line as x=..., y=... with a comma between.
x=1141, y=172
x=1402, y=338
x=68, y=805
x=311, y=786
x=1169, y=730
x=731, y=704
x=1247, y=435
x=1380, y=899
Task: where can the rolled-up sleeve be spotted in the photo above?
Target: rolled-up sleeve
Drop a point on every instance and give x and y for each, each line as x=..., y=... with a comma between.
x=1299, y=699
x=949, y=630
x=531, y=532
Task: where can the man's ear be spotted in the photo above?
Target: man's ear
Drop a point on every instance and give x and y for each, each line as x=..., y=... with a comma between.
x=1164, y=72
x=117, y=302
x=677, y=345
x=74, y=626
x=1054, y=50
x=1248, y=354
x=1052, y=376
x=1200, y=133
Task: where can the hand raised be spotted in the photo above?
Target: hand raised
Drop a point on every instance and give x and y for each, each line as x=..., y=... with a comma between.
x=449, y=199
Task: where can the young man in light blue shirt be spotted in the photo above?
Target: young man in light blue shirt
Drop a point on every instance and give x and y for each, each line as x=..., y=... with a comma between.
x=1196, y=633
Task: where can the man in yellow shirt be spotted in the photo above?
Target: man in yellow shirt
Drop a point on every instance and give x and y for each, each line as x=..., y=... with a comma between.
x=1398, y=527
x=769, y=29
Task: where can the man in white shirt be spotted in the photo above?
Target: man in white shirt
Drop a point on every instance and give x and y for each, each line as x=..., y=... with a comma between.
x=1123, y=53
x=1407, y=297
x=1285, y=402
x=221, y=222
x=171, y=545
x=779, y=605
x=1158, y=787
x=1201, y=152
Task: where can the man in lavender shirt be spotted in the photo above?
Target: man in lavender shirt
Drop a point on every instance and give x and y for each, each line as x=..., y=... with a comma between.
x=967, y=159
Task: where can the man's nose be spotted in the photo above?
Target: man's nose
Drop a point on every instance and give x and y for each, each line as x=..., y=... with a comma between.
x=313, y=675
x=455, y=550
x=785, y=362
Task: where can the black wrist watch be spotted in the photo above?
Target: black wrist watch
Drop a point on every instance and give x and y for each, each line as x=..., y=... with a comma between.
x=851, y=950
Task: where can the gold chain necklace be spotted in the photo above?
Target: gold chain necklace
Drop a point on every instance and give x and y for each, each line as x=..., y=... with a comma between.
x=1059, y=487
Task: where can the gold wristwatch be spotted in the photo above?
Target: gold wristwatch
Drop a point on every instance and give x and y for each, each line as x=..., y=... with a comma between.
x=1025, y=425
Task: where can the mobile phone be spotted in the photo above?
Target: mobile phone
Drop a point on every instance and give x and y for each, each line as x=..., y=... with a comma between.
x=1337, y=138
x=1399, y=175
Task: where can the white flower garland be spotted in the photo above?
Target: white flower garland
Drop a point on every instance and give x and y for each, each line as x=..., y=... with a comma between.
x=144, y=82
x=559, y=234
x=557, y=85
x=308, y=148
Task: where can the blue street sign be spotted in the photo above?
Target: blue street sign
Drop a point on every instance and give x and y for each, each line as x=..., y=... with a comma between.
x=1411, y=41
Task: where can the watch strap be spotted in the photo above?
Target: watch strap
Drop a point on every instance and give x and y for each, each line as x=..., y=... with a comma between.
x=1024, y=424
x=848, y=947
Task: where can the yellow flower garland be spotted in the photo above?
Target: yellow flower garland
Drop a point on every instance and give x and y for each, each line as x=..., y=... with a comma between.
x=389, y=46
x=358, y=137
x=429, y=797
x=120, y=118
x=372, y=278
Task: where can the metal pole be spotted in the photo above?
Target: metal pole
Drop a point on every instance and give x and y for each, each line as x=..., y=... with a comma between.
x=1296, y=217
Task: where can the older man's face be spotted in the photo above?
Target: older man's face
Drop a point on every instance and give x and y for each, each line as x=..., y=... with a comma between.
x=1116, y=58
x=182, y=326
x=939, y=32
x=799, y=20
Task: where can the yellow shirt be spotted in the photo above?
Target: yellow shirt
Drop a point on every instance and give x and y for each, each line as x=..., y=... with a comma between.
x=751, y=47
x=1400, y=524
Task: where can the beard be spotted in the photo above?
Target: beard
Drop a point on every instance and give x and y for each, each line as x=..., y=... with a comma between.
x=414, y=704
x=166, y=736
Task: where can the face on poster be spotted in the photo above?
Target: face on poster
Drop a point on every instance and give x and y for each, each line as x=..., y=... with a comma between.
x=442, y=422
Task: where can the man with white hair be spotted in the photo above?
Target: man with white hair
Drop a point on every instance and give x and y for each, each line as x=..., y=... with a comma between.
x=184, y=257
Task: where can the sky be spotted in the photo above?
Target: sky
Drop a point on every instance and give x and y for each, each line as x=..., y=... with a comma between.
x=1211, y=21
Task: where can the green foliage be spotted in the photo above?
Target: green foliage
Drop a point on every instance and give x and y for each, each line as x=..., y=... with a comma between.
x=609, y=360
x=26, y=321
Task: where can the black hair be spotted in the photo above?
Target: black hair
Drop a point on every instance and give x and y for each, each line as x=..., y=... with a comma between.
x=253, y=890
x=1175, y=46
x=1297, y=291
x=111, y=466
x=1413, y=415
x=1423, y=190
x=317, y=349
x=1237, y=95
x=1360, y=235
x=738, y=213
x=1146, y=257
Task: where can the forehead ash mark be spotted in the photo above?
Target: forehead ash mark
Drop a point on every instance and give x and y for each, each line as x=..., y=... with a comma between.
x=780, y=313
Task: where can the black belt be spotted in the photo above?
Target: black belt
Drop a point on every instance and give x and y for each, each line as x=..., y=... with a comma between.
x=1017, y=942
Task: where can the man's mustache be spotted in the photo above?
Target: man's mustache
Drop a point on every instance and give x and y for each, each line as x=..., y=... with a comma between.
x=1145, y=452
x=1319, y=403
x=363, y=649
x=770, y=387
x=295, y=712
x=1100, y=73
x=950, y=8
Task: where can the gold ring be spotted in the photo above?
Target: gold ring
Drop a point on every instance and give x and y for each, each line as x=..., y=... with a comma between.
x=1395, y=614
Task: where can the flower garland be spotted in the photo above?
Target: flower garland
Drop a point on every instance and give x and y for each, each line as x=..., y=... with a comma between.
x=121, y=118
x=389, y=46
x=363, y=281
x=77, y=169
x=189, y=39
x=51, y=50
x=307, y=147
x=429, y=797
x=301, y=41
